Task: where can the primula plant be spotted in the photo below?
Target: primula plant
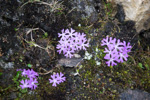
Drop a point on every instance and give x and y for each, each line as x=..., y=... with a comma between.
x=26, y=79
x=57, y=79
x=116, y=51
x=31, y=81
x=71, y=41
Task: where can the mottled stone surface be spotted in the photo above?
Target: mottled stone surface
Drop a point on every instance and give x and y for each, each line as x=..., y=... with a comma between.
x=6, y=65
x=82, y=9
x=69, y=62
x=134, y=95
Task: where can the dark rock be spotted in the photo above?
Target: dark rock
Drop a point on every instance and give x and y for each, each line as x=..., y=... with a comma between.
x=12, y=95
x=109, y=27
x=8, y=22
x=82, y=9
x=6, y=77
x=147, y=23
x=120, y=14
x=145, y=38
x=145, y=34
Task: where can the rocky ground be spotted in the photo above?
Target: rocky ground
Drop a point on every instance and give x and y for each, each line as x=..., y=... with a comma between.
x=28, y=38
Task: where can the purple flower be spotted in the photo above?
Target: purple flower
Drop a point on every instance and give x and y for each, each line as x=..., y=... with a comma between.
x=18, y=69
x=126, y=47
x=122, y=57
x=32, y=84
x=83, y=44
x=29, y=73
x=71, y=42
x=108, y=41
x=24, y=72
x=62, y=34
x=32, y=74
x=116, y=51
x=25, y=84
x=32, y=79
x=71, y=45
x=57, y=79
x=109, y=51
x=117, y=46
x=62, y=48
x=29, y=83
x=69, y=53
x=72, y=33
x=76, y=39
x=61, y=78
x=111, y=59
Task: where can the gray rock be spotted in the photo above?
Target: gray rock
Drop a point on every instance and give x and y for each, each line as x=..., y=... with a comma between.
x=134, y=95
x=6, y=65
x=69, y=62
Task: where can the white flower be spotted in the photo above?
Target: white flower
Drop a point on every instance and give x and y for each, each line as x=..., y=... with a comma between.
x=98, y=63
x=96, y=50
x=79, y=25
x=88, y=56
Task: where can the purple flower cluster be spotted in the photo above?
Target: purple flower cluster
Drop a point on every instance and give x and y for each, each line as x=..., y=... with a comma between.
x=71, y=41
x=31, y=81
x=116, y=51
x=57, y=79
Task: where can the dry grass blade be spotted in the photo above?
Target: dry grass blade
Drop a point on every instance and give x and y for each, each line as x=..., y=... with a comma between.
x=54, y=5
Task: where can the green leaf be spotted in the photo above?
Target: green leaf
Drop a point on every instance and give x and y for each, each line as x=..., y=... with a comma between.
x=45, y=35
x=59, y=13
x=20, y=60
x=1, y=73
x=17, y=98
x=147, y=66
x=39, y=77
x=17, y=83
x=29, y=65
x=140, y=65
x=19, y=94
x=15, y=79
x=15, y=29
x=18, y=74
x=24, y=90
